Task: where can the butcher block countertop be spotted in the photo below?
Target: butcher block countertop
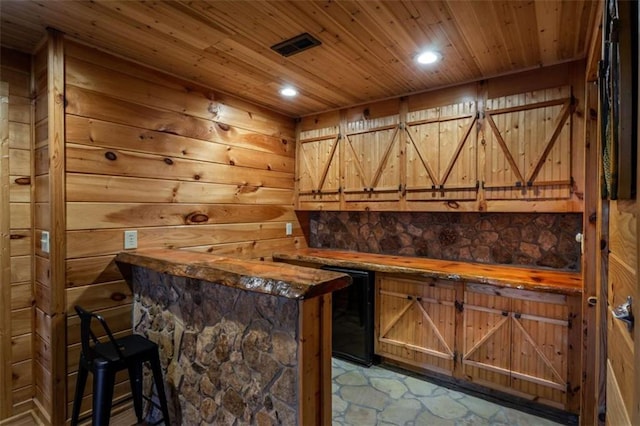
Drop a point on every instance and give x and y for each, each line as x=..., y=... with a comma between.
x=278, y=279
x=498, y=275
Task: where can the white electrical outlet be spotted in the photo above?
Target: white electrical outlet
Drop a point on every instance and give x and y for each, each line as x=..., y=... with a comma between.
x=289, y=228
x=130, y=239
x=44, y=241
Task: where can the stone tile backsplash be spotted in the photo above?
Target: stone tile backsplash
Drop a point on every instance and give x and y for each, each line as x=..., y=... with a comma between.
x=524, y=239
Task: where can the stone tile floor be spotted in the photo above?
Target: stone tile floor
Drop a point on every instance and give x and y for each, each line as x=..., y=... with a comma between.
x=377, y=396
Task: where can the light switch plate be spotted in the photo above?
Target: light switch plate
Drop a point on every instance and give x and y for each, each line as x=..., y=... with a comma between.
x=289, y=228
x=44, y=241
x=130, y=240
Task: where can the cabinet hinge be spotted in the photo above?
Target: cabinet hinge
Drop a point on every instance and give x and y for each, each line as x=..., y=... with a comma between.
x=459, y=306
x=455, y=358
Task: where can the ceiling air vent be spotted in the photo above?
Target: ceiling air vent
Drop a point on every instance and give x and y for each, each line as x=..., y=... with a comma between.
x=296, y=44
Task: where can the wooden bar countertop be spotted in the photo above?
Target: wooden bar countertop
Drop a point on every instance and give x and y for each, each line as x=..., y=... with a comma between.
x=498, y=275
x=278, y=279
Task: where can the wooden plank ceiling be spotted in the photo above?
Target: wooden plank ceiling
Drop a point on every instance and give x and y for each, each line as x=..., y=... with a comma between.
x=367, y=50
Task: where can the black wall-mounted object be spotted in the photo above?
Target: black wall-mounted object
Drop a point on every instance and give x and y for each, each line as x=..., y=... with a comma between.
x=619, y=98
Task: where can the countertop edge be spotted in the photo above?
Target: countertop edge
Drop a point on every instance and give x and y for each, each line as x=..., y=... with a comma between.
x=289, y=281
x=333, y=258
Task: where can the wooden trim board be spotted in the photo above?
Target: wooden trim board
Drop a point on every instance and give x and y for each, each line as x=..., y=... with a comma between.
x=5, y=258
x=56, y=126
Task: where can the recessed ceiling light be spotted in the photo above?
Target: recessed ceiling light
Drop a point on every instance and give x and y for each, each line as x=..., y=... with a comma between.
x=428, y=57
x=288, y=91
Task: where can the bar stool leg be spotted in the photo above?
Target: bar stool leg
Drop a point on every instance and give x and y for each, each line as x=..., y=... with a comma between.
x=81, y=381
x=103, y=382
x=135, y=379
x=157, y=378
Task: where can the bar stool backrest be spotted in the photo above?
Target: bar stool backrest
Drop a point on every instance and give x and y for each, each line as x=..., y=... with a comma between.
x=86, y=318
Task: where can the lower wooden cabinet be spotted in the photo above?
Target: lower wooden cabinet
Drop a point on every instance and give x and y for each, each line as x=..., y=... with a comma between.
x=518, y=341
x=521, y=342
x=416, y=322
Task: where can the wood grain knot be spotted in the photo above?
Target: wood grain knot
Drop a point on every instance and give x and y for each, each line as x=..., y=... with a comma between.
x=23, y=181
x=246, y=189
x=118, y=297
x=196, y=177
x=111, y=156
x=453, y=204
x=16, y=237
x=168, y=161
x=223, y=126
x=197, y=217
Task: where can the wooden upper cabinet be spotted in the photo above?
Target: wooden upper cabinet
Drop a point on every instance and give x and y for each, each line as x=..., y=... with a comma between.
x=372, y=159
x=319, y=165
x=527, y=145
x=441, y=153
x=485, y=146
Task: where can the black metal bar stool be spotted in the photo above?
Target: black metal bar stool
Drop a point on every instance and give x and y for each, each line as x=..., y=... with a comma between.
x=104, y=360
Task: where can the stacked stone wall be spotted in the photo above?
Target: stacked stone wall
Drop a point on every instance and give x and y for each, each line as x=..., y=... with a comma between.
x=229, y=356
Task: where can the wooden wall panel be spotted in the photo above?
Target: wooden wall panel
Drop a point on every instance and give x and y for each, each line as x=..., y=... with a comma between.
x=41, y=222
x=94, y=242
x=83, y=159
x=5, y=253
x=21, y=295
x=16, y=170
x=622, y=282
x=183, y=166
x=103, y=188
x=111, y=135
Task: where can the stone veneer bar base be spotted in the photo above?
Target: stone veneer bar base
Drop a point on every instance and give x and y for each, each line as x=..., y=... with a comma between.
x=231, y=356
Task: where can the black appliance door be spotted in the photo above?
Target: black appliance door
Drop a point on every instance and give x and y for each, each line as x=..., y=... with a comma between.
x=352, y=312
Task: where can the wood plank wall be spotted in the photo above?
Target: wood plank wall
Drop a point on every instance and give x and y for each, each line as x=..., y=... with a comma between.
x=18, y=354
x=622, y=281
x=42, y=282
x=182, y=165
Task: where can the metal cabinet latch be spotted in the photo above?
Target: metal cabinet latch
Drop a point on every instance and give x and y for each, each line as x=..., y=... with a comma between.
x=624, y=313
